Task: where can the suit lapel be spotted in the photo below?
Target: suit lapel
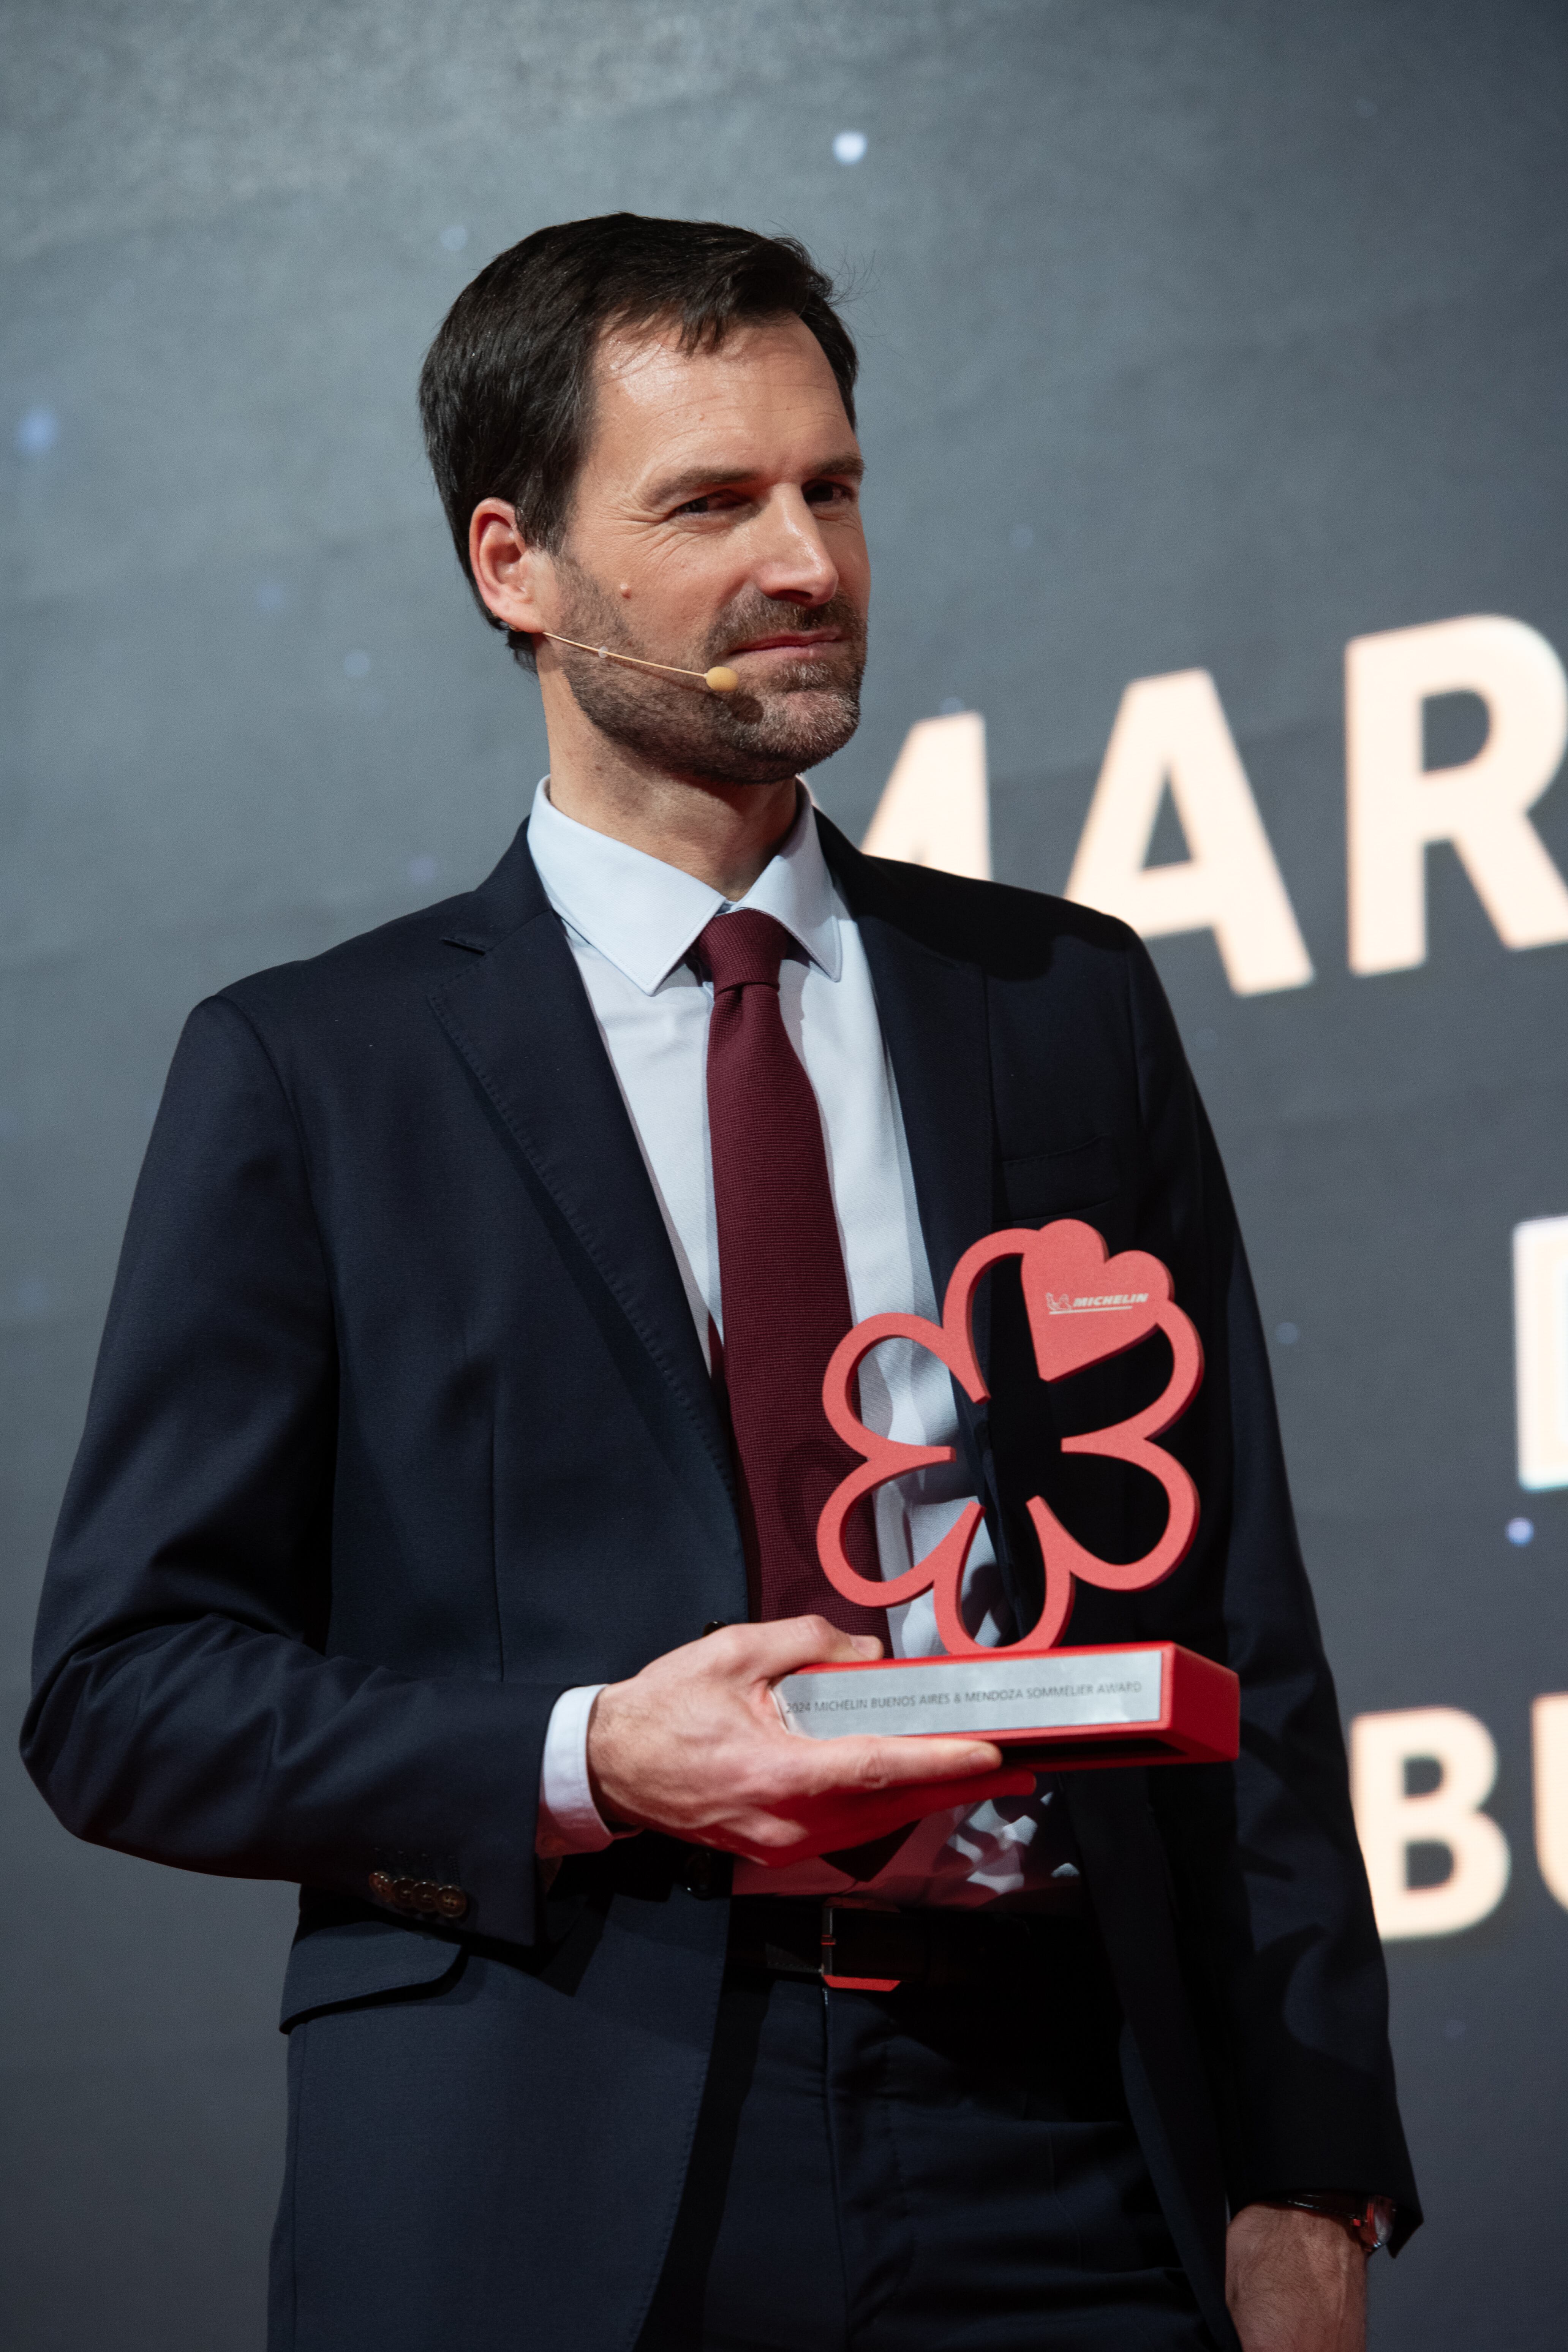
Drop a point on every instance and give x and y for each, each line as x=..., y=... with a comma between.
x=932, y=1007
x=520, y=1018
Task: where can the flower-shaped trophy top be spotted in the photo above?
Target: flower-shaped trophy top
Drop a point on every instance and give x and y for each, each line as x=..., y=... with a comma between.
x=1082, y=1307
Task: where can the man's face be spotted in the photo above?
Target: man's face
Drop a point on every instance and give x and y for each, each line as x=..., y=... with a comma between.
x=716, y=520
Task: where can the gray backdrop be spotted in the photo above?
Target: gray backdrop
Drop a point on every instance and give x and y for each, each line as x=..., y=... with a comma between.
x=1195, y=334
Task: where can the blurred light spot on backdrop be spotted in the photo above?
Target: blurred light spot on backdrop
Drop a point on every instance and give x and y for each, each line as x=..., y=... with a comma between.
x=1286, y=1334
x=270, y=596
x=356, y=664
x=422, y=869
x=1021, y=535
x=37, y=432
x=849, y=146
x=1521, y=1531
x=455, y=239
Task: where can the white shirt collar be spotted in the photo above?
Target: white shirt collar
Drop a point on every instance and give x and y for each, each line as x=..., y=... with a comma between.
x=643, y=916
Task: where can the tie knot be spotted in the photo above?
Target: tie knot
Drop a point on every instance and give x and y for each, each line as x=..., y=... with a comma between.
x=744, y=950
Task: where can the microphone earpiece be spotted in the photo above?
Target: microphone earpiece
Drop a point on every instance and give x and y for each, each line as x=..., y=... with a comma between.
x=718, y=680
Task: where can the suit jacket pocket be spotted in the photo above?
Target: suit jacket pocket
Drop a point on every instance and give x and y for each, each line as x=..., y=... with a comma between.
x=359, y=1958
x=1062, y=1183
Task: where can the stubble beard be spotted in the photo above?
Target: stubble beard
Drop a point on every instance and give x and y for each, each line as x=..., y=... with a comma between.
x=678, y=727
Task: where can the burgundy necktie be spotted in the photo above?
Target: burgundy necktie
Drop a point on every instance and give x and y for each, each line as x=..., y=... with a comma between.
x=785, y=1298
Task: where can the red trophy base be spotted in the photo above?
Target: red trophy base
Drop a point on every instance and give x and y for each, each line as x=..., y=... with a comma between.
x=1059, y=1710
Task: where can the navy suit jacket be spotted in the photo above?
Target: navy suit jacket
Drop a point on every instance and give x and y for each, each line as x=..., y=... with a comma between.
x=401, y=1427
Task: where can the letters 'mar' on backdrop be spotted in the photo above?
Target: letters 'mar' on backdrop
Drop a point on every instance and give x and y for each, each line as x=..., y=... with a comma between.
x=1213, y=367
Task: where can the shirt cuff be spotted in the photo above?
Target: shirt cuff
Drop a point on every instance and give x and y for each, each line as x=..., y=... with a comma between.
x=569, y=1819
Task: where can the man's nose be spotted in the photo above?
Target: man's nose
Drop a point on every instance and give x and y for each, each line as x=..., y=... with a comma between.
x=794, y=564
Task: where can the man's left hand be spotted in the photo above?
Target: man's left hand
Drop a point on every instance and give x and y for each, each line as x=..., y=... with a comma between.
x=1295, y=2281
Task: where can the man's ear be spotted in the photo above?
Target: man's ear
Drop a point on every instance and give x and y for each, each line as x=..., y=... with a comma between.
x=516, y=580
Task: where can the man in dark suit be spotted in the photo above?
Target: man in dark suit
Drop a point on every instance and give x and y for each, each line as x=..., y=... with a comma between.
x=444, y=1515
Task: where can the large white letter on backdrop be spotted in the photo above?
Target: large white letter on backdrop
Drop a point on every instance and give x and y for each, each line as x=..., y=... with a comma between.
x=1550, y=1728
x=1541, y=1349
x=1397, y=806
x=933, y=810
x=1389, y=1822
x=1172, y=730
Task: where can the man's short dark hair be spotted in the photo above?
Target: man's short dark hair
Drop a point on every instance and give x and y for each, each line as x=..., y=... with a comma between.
x=506, y=393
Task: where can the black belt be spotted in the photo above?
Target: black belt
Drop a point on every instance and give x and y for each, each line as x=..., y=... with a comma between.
x=875, y=1951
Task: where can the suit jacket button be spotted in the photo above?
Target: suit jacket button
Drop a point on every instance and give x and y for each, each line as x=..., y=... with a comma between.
x=451, y=1902
x=381, y=1887
x=698, y=1873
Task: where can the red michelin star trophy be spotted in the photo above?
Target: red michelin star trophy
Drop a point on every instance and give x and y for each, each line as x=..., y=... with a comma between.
x=1064, y=1710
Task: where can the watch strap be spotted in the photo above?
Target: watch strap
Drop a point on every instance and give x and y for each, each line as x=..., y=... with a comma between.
x=1369, y=2220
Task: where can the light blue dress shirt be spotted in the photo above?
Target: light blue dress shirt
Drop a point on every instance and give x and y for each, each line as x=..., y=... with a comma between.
x=632, y=923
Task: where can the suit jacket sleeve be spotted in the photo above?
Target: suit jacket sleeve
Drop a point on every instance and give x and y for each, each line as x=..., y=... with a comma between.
x=185, y=1707
x=1276, y=1915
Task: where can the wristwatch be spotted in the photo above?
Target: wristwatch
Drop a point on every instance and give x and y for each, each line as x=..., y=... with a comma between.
x=1369, y=2220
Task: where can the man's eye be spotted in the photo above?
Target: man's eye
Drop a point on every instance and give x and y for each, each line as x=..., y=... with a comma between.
x=824, y=494
x=711, y=502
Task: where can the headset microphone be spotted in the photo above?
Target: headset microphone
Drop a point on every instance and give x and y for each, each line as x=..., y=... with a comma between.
x=718, y=680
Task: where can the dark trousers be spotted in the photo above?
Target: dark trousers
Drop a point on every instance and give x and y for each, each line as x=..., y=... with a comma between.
x=928, y=2170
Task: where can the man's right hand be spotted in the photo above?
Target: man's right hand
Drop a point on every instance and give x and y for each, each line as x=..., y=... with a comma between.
x=695, y=1746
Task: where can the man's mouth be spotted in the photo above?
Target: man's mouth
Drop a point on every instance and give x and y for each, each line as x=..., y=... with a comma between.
x=792, y=640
